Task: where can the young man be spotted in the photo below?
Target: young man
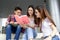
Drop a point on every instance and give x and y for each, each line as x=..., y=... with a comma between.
x=13, y=26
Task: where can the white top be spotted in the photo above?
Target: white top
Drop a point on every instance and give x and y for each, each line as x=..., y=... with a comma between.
x=31, y=21
x=46, y=29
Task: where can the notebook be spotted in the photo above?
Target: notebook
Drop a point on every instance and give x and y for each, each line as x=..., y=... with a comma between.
x=22, y=19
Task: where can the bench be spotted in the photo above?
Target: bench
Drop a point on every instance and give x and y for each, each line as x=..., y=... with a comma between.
x=39, y=35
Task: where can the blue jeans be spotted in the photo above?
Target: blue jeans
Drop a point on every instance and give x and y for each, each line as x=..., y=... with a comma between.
x=55, y=38
x=9, y=31
x=29, y=33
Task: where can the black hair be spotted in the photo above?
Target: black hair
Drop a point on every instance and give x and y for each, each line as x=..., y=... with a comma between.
x=32, y=8
x=17, y=8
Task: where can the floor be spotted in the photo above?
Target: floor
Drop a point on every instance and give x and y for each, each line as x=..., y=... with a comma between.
x=3, y=37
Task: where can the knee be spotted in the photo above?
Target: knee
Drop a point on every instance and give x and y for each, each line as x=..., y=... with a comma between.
x=29, y=29
x=19, y=27
x=8, y=26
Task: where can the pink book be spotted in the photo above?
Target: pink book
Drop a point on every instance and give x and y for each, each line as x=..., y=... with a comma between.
x=22, y=19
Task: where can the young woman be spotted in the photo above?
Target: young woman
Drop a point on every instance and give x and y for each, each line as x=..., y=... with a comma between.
x=30, y=32
x=47, y=25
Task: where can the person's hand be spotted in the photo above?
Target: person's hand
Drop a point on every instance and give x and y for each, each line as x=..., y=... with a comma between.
x=24, y=25
x=36, y=25
x=15, y=23
x=11, y=22
x=6, y=23
x=32, y=26
x=48, y=38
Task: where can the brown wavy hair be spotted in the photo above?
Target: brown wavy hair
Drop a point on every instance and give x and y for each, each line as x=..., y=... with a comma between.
x=44, y=13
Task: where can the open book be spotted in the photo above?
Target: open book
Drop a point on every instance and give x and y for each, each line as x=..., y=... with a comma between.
x=22, y=19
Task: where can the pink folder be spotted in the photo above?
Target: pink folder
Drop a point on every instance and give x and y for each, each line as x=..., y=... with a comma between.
x=22, y=19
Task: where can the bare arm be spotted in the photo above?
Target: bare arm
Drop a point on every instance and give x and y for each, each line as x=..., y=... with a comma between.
x=32, y=26
x=54, y=30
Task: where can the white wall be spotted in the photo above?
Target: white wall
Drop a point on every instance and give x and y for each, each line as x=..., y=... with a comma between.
x=54, y=9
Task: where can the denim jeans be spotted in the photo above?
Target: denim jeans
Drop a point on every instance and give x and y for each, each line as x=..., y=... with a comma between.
x=29, y=33
x=55, y=38
x=9, y=31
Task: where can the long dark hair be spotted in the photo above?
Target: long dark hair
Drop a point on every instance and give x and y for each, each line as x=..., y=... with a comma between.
x=31, y=6
x=37, y=20
x=44, y=13
x=33, y=13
